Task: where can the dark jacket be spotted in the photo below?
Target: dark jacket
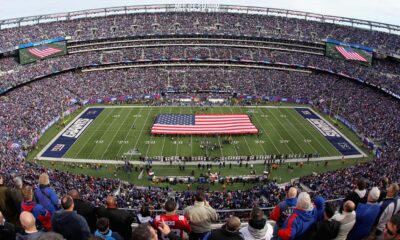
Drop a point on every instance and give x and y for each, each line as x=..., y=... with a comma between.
x=7, y=231
x=31, y=236
x=88, y=211
x=326, y=229
x=71, y=225
x=223, y=234
x=120, y=220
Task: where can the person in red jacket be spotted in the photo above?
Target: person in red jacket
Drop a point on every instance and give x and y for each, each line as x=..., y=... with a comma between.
x=177, y=223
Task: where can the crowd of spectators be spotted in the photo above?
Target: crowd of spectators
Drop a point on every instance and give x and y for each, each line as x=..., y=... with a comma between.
x=184, y=22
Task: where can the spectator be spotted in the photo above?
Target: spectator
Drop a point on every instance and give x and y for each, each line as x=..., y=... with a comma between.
x=7, y=230
x=392, y=228
x=383, y=184
x=200, y=216
x=389, y=207
x=284, y=209
x=347, y=219
x=178, y=223
x=84, y=208
x=146, y=232
x=5, y=206
x=328, y=228
x=144, y=215
x=68, y=223
x=104, y=231
x=46, y=195
x=359, y=195
x=42, y=216
x=29, y=224
x=16, y=194
x=51, y=236
x=120, y=220
x=366, y=214
x=303, y=218
x=228, y=231
x=258, y=228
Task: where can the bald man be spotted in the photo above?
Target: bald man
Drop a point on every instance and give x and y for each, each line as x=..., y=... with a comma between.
x=84, y=208
x=347, y=219
x=120, y=220
x=284, y=208
x=28, y=222
x=228, y=231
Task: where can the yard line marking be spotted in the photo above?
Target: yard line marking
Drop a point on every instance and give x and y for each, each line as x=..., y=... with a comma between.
x=116, y=133
x=277, y=131
x=248, y=146
x=307, y=129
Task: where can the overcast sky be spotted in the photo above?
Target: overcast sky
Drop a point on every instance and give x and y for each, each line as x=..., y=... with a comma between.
x=386, y=11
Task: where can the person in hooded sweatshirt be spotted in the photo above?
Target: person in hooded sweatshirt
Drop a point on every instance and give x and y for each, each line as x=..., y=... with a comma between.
x=284, y=209
x=69, y=223
x=258, y=228
x=303, y=218
x=228, y=231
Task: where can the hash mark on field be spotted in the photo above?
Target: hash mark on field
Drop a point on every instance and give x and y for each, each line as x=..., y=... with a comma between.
x=248, y=146
x=127, y=134
x=265, y=132
x=119, y=142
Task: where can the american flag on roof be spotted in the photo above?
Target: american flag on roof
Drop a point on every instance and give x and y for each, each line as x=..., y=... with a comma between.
x=203, y=124
x=43, y=51
x=350, y=54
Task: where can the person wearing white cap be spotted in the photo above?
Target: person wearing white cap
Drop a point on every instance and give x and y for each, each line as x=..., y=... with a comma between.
x=366, y=214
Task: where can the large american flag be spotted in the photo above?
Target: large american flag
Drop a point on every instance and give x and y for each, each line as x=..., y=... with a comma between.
x=43, y=51
x=203, y=124
x=350, y=54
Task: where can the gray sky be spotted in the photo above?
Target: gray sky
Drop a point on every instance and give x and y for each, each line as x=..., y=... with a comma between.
x=386, y=11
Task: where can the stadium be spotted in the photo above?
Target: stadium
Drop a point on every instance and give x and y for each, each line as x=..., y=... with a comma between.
x=144, y=104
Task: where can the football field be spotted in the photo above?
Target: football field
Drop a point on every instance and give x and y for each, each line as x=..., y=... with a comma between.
x=117, y=132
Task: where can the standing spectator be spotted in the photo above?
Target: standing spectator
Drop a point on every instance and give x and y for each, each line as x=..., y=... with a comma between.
x=177, y=223
x=16, y=194
x=104, y=231
x=144, y=215
x=359, y=195
x=366, y=214
x=46, y=195
x=5, y=202
x=84, y=208
x=347, y=219
x=328, y=228
x=7, y=230
x=228, y=231
x=68, y=223
x=200, y=216
x=258, y=228
x=120, y=220
x=389, y=207
x=284, y=208
x=42, y=216
x=392, y=229
x=383, y=185
x=303, y=218
x=29, y=224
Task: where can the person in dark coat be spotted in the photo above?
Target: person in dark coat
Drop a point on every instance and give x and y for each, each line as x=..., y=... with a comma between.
x=28, y=222
x=6, y=203
x=228, y=231
x=84, y=208
x=7, y=230
x=327, y=228
x=120, y=220
x=68, y=223
x=359, y=195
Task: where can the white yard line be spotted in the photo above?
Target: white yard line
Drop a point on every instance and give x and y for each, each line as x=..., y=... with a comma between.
x=248, y=146
x=112, y=139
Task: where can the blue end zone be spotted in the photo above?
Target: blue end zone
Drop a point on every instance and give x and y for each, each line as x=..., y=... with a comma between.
x=64, y=142
x=333, y=136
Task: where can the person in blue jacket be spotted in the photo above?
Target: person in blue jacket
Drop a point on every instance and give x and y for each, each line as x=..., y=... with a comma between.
x=303, y=218
x=45, y=195
x=366, y=214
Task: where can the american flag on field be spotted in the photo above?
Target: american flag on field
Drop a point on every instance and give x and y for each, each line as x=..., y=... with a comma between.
x=43, y=51
x=203, y=124
x=350, y=54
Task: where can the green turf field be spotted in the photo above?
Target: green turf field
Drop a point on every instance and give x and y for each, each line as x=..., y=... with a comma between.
x=125, y=131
